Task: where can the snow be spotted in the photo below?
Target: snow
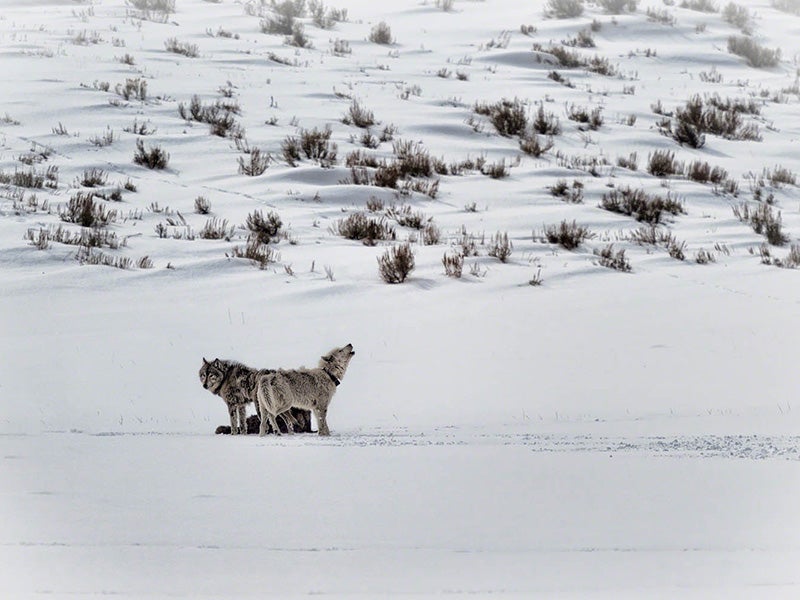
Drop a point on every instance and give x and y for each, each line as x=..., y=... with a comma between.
x=602, y=435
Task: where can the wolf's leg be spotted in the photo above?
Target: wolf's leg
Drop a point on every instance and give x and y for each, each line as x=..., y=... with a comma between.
x=289, y=420
x=272, y=421
x=322, y=421
x=243, y=419
x=263, y=426
x=232, y=415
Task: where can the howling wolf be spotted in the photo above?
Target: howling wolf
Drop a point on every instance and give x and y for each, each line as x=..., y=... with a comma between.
x=310, y=389
x=236, y=384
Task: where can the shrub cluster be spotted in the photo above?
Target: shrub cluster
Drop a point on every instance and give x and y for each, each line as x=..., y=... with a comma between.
x=85, y=211
x=718, y=117
x=255, y=164
x=508, y=116
x=616, y=7
x=264, y=229
x=568, y=193
x=315, y=144
x=152, y=158
x=501, y=247
x=364, y=228
x=567, y=235
x=610, y=259
x=640, y=205
x=564, y=9
x=32, y=178
x=756, y=55
x=396, y=263
x=184, y=48
x=219, y=116
x=381, y=34
x=591, y=119
x=764, y=221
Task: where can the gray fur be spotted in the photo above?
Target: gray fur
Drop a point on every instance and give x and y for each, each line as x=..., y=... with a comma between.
x=310, y=389
x=235, y=383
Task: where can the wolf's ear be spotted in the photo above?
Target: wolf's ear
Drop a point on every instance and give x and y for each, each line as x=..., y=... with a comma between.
x=216, y=362
x=327, y=358
x=205, y=362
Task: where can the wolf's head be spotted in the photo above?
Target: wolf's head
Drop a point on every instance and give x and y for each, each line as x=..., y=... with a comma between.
x=212, y=374
x=336, y=361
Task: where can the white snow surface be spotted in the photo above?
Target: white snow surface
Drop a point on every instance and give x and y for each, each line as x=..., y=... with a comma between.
x=601, y=435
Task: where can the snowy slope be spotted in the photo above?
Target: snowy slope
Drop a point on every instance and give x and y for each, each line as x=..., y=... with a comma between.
x=603, y=434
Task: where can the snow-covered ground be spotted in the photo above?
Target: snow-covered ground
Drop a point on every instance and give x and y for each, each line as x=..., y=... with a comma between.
x=601, y=435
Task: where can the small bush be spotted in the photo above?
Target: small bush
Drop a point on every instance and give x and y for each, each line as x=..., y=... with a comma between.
x=412, y=159
x=316, y=145
x=497, y=170
x=363, y=228
x=154, y=158
x=92, y=256
x=264, y=229
x=532, y=144
x=359, y=116
x=32, y=178
x=183, y=48
x=567, y=235
x=284, y=19
x=507, y=116
x=132, y=88
x=583, y=39
x=103, y=140
x=154, y=10
x=704, y=257
x=501, y=247
x=453, y=265
x=719, y=117
x=262, y=255
x=298, y=39
x=137, y=128
x=630, y=162
x=381, y=34
x=764, y=221
x=638, y=204
x=702, y=172
x=780, y=175
x=593, y=120
x=405, y=216
x=216, y=229
x=92, y=178
x=396, y=263
x=564, y=9
x=255, y=164
x=431, y=234
x=617, y=7
x=660, y=16
x=610, y=259
x=85, y=211
x=545, y=123
x=738, y=16
x=572, y=194
x=756, y=55
x=706, y=6
x=662, y=163
x=202, y=206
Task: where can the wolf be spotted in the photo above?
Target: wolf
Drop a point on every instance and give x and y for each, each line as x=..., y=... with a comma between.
x=310, y=389
x=236, y=383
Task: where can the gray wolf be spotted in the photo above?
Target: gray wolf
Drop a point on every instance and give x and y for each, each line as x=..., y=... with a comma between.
x=309, y=389
x=235, y=383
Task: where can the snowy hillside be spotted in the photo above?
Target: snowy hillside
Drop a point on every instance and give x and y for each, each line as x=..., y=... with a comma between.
x=584, y=387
